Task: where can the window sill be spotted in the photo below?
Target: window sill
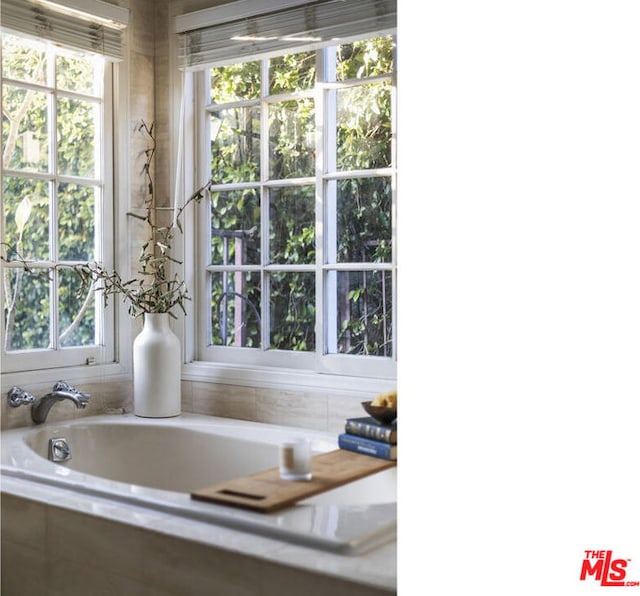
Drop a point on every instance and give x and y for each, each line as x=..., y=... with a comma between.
x=285, y=379
x=209, y=372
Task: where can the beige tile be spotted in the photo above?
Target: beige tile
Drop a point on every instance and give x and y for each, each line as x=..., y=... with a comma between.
x=186, y=390
x=115, y=394
x=230, y=401
x=341, y=407
x=4, y=412
x=93, y=408
x=15, y=417
x=23, y=522
x=289, y=408
x=24, y=570
x=185, y=568
x=94, y=541
x=71, y=578
x=287, y=581
x=148, y=590
x=105, y=397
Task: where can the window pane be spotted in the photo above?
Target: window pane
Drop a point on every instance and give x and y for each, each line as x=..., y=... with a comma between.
x=293, y=311
x=27, y=309
x=292, y=225
x=77, y=137
x=364, y=220
x=52, y=108
x=76, y=222
x=292, y=139
x=365, y=58
x=23, y=60
x=76, y=310
x=294, y=72
x=235, y=227
x=25, y=140
x=235, y=82
x=364, y=127
x=235, y=151
x=235, y=309
x=363, y=309
x=79, y=72
x=26, y=217
x=347, y=111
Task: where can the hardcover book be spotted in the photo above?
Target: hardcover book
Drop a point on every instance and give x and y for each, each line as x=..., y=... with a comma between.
x=368, y=446
x=369, y=427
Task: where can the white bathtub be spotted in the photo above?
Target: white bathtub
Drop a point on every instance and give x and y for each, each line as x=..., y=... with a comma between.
x=157, y=463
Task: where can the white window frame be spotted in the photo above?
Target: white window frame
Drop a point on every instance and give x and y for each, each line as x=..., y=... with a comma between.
x=108, y=360
x=259, y=367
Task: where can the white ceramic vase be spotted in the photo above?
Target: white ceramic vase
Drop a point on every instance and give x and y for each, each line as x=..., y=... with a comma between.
x=156, y=369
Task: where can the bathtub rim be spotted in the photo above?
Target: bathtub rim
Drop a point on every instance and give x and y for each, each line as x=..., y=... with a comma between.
x=271, y=526
x=375, y=569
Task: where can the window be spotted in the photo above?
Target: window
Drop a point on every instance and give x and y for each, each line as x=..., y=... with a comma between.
x=297, y=257
x=55, y=191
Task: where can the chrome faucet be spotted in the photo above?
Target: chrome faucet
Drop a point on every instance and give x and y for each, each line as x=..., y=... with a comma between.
x=61, y=390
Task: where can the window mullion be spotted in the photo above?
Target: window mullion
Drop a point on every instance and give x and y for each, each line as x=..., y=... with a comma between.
x=53, y=199
x=203, y=210
x=265, y=281
x=394, y=205
x=328, y=206
x=104, y=165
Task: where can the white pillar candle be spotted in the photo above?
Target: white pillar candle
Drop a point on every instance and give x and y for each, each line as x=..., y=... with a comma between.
x=295, y=460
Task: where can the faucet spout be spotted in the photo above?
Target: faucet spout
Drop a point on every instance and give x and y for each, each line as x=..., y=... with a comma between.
x=61, y=391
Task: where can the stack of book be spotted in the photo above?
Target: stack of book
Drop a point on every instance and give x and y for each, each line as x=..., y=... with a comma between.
x=368, y=436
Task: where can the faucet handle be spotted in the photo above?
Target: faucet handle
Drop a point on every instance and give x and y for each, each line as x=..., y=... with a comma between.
x=18, y=397
x=64, y=386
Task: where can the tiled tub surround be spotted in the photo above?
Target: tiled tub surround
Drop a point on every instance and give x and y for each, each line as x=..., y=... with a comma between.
x=303, y=408
x=198, y=553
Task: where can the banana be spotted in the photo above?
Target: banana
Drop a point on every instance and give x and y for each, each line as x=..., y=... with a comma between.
x=388, y=399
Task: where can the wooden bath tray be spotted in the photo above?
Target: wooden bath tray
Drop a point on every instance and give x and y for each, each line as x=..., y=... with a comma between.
x=267, y=492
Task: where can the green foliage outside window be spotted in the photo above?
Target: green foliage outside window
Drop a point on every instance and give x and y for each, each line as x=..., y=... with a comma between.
x=362, y=215
x=30, y=202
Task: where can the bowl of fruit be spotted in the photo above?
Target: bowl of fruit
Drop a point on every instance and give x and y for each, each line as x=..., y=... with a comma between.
x=384, y=408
